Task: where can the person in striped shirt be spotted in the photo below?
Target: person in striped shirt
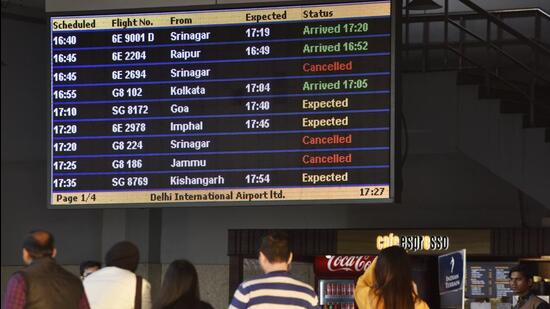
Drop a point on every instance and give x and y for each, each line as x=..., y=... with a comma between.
x=275, y=289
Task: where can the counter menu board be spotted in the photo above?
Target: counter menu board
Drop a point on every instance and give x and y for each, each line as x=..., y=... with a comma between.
x=488, y=280
x=239, y=106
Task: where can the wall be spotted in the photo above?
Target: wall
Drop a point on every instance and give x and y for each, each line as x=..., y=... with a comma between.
x=82, y=5
x=24, y=123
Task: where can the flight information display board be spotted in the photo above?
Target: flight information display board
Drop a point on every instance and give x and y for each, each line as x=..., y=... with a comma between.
x=488, y=279
x=274, y=105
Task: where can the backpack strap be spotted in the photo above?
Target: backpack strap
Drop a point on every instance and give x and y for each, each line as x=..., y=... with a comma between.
x=137, y=300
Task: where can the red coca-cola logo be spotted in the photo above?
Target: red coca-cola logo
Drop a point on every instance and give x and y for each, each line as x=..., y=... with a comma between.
x=342, y=263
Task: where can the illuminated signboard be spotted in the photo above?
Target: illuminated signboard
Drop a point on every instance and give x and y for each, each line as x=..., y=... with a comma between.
x=285, y=104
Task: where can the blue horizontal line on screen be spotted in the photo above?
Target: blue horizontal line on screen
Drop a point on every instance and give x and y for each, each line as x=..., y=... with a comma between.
x=267, y=96
x=231, y=188
x=216, y=133
x=175, y=171
x=379, y=35
x=117, y=155
x=358, y=18
x=256, y=115
x=81, y=66
x=238, y=79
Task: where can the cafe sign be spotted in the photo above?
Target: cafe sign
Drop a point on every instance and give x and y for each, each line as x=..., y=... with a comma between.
x=413, y=242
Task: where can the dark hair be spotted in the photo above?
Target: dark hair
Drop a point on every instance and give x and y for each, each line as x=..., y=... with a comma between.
x=523, y=269
x=276, y=247
x=88, y=264
x=39, y=244
x=393, y=279
x=180, y=287
x=123, y=255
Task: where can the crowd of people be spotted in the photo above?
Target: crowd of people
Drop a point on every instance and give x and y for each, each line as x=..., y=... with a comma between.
x=386, y=284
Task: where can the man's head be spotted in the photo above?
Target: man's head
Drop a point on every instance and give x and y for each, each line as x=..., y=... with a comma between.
x=38, y=244
x=521, y=279
x=275, y=253
x=123, y=255
x=88, y=267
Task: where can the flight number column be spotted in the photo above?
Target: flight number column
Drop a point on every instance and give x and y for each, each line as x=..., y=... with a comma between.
x=123, y=113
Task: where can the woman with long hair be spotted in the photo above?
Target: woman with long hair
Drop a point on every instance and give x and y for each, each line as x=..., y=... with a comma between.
x=180, y=288
x=387, y=283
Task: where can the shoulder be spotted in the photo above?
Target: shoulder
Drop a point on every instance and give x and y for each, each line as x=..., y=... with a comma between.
x=146, y=286
x=303, y=286
x=17, y=276
x=420, y=304
x=70, y=276
x=285, y=281
x=17, y=279
x=111, y=276
x=296, y=287
x=145, y=282
x=100, y=272
x=253, y=281
x=542, y=304
x=111, y=272
x=96, y=276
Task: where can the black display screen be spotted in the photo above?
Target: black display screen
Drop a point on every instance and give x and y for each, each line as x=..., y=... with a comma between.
x=264, y=105
x=488, y=279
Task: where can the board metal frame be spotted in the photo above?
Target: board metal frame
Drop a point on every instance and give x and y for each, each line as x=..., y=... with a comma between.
x=395, y=106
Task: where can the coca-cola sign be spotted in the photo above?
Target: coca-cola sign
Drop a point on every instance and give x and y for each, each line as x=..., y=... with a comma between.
x=342, y=263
